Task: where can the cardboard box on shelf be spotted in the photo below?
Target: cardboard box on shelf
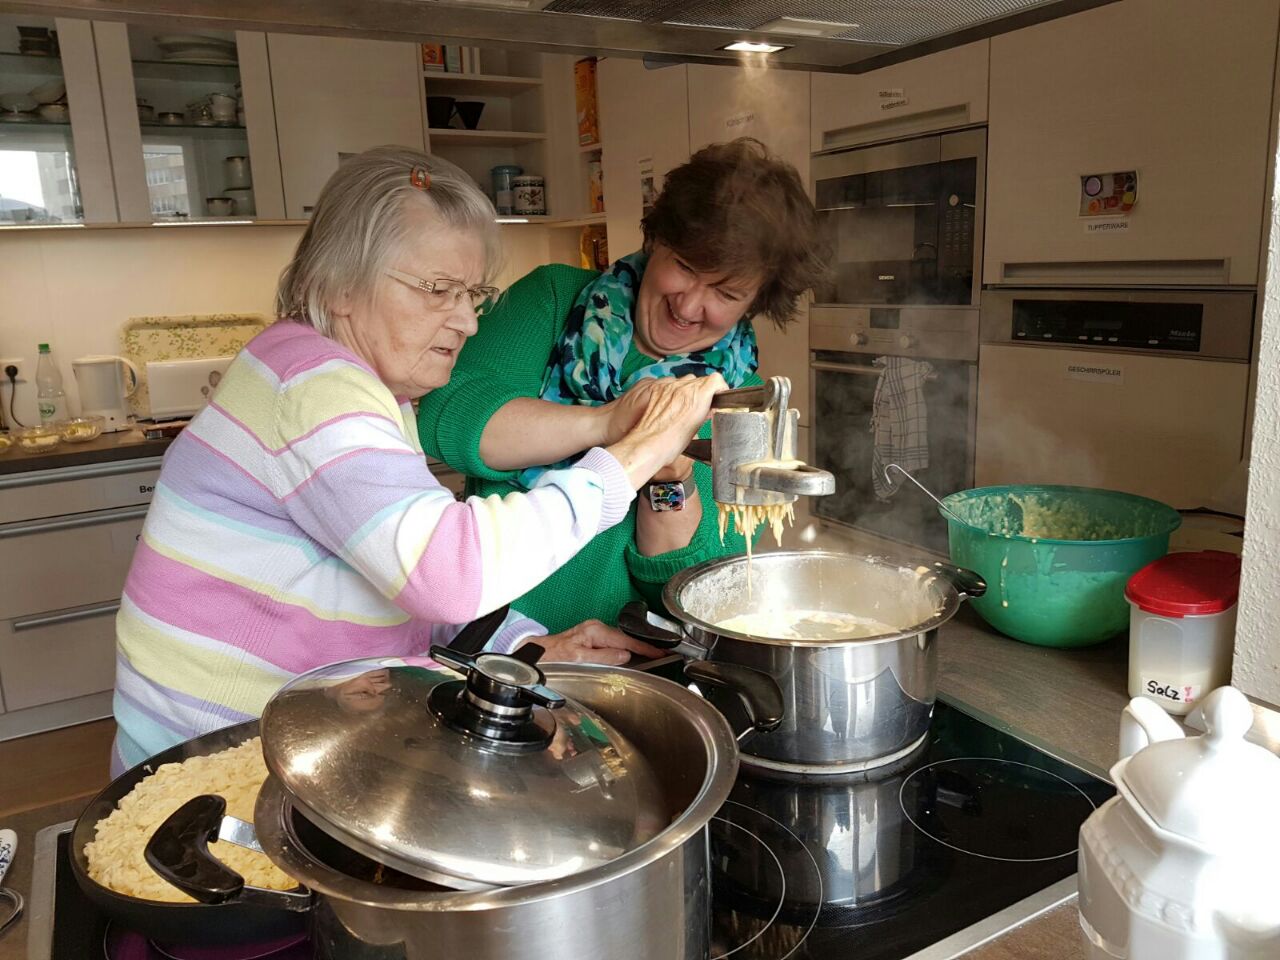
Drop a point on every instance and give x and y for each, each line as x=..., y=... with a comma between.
x=584, y=88
x=432, y=56
x=453, y=59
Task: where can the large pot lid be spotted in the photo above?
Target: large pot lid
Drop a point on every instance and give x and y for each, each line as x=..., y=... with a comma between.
x=491, y=780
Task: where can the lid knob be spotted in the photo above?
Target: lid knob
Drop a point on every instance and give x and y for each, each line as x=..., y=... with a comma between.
x=1227, y=715
x=499, y=695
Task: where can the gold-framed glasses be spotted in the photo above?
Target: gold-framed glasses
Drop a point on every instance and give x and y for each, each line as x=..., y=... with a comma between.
x=446, y=294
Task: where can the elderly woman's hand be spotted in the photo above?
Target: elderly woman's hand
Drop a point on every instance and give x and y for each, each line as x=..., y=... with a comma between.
x=676, y=410
x=622, y=415
x=593, y=642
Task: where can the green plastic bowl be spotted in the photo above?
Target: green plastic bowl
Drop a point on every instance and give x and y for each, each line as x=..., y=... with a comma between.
x=1056, y=559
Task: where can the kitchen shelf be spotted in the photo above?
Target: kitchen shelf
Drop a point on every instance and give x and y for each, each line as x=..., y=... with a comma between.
x=587, y=221
x=187, y=72
x=478, y=84
x=591, y=148
x=35, y=125
x=447, y=136
x=194, y=132
x=30, y=65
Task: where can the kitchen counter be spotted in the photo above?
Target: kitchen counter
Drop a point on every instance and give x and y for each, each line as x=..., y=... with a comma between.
x=122, y=445
x=1067, y=702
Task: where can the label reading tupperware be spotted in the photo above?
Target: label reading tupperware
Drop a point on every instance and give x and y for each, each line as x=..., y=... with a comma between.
x=1171, y=692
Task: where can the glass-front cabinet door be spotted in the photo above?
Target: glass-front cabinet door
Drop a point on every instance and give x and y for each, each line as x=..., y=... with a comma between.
x=183, y=143
x=53, y=150
x=191, y=120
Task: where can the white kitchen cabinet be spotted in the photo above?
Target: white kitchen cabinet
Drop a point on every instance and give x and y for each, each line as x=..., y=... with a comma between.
x=938, y=92
x=773, y=107
x=66, y=545
x=336, y=96
x=1177, y=90
x=57, y=169
x=645, y=116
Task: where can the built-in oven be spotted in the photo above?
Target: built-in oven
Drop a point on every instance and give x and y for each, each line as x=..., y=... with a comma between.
x=904, y=220
x=851, y=350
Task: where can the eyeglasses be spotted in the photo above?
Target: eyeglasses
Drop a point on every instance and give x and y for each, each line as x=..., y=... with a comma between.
x=445, y=294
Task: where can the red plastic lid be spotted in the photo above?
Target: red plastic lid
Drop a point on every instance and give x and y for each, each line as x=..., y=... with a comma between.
x=1187, y=584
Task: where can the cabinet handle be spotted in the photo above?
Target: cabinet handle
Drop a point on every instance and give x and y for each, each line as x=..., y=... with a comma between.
x=71, y=523
x=65, y=616
x=36, y=478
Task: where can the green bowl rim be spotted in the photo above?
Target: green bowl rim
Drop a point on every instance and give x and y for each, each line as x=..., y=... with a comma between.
x=959, y=495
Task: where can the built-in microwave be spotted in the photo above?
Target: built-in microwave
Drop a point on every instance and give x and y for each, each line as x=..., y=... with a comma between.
x=904, y=220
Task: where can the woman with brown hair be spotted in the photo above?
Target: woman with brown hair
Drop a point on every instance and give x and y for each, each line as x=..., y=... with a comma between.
x=563, y=362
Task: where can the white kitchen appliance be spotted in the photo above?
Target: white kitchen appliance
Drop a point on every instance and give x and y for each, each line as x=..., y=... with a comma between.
x=1140, y=390
x=181, y=388
x=105, y=384
x=1180, y=864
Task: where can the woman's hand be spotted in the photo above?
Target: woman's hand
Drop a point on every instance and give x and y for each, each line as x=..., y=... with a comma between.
x=593, y=642
x=676, y=410
x=621, y=415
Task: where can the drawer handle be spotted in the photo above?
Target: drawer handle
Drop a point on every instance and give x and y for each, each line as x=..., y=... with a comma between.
x=65, y=616
x=72, y=523
x=89, y=471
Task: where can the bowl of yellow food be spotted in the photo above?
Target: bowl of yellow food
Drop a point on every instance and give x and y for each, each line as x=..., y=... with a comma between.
x=39, y=439
x=6, y=441
x=81, y=429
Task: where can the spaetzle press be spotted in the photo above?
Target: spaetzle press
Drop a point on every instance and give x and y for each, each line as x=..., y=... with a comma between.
x=752, y=450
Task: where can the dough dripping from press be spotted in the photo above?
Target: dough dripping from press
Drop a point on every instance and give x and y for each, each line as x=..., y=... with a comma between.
x=748, y=516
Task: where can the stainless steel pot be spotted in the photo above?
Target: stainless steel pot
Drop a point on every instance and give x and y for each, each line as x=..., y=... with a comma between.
x=848, y=704
x=651, y=901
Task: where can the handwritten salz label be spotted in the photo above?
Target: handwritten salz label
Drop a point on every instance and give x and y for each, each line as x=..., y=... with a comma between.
x=1171, y=692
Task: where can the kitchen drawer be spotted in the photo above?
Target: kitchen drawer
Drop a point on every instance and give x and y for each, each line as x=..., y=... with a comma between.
x=54, y=493
x=66, y=561
x=58, y=656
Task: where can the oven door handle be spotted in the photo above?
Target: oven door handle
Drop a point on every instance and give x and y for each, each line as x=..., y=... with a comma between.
x=845, y=368
x=852, y=368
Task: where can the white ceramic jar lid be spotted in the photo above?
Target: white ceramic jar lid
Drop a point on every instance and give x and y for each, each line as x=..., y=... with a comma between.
x=1217, y=790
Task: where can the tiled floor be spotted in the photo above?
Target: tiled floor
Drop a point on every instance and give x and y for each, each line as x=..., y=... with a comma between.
x=49, y=767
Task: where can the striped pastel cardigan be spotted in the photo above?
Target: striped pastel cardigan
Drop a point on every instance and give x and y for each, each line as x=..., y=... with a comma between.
x=295, y=523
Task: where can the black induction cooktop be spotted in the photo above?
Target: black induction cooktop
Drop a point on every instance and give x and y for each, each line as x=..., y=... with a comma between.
x=925, y=858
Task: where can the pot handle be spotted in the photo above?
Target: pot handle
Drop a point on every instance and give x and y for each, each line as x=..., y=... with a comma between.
x=635, y=621
x=969, y=584
x=179, y=852
x=759, y=692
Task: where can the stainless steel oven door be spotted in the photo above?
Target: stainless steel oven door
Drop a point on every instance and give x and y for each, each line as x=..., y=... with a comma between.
x=904, y=220
x=844, y=386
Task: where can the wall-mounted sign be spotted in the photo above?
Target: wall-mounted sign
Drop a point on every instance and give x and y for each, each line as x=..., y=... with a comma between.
x=1108, y=194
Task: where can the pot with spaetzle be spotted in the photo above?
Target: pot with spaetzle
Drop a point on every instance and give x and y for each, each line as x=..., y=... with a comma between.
x=851, y=641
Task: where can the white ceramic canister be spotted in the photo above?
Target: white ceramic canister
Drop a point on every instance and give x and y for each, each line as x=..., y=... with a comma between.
x=243, y=199
x=1182, y=627
x=529, y=195
x=237, y=172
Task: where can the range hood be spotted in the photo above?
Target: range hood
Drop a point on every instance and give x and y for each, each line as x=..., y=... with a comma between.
x=841, y=36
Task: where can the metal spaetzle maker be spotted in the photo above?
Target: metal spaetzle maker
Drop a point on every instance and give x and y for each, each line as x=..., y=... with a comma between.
x=752, y=450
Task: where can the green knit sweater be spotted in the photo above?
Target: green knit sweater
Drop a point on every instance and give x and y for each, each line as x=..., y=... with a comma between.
x=505, y=360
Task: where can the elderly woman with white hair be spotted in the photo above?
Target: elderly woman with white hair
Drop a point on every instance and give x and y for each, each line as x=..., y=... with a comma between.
x=295, y=521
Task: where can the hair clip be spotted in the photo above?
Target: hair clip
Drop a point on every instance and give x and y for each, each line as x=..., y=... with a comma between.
x=419, y=177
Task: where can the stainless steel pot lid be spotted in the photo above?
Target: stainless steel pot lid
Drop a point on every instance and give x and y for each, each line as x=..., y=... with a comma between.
x=489, y=780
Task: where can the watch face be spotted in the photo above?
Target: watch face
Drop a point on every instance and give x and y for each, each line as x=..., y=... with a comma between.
x=666, y=496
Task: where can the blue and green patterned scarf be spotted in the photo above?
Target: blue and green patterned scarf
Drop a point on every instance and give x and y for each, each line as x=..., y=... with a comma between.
x=586, y=364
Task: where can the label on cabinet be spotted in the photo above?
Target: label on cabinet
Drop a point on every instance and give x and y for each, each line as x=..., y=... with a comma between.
x=1095, y=373
x=892, y=93
x=894, y=104
x=1119, y=225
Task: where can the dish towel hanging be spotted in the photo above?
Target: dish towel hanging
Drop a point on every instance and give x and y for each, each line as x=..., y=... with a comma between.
x=899, y=422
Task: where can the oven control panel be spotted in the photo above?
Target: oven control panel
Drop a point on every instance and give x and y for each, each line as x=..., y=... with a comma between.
x=1129, y=324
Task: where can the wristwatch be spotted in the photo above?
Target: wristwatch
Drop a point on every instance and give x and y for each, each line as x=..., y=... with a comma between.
x=665, y=496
